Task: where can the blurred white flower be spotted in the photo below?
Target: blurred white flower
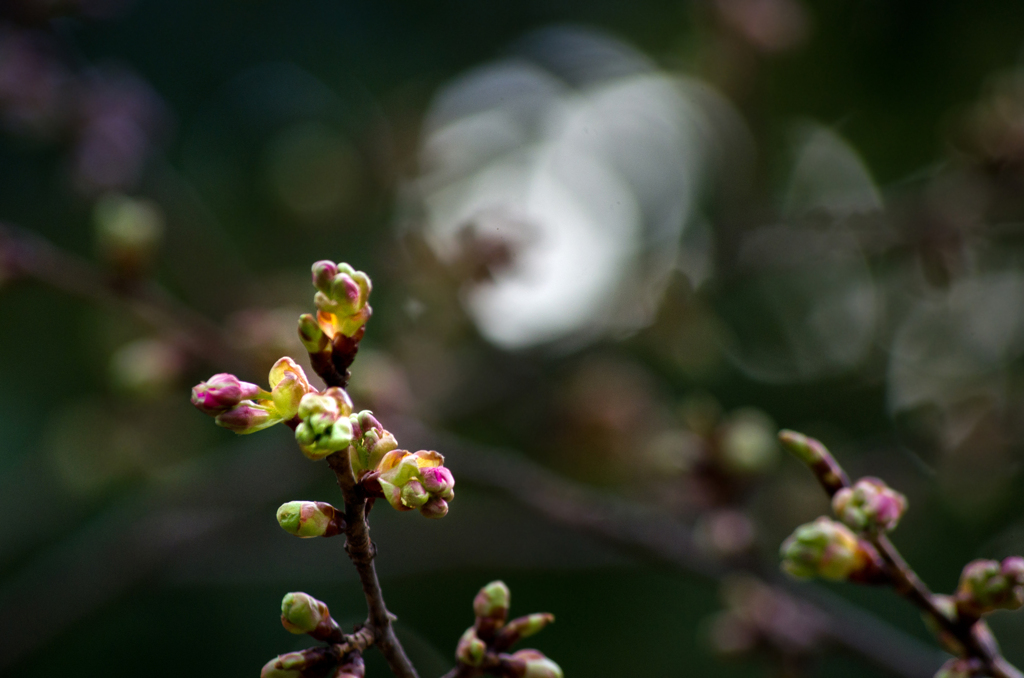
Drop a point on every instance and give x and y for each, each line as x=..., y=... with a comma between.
x=583, y=158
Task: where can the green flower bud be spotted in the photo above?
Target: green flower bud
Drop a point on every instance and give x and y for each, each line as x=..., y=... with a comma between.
x=869, y=506
x=285, y=666
x=988, y=585
x=536, y=664
x=308, y=519
x=324, y=427
x=302, y=613
x=824, y=548
x=314, y=661
x=470, y=650
x=413, y=494
x=806, y=449
x=493, y=601
x=524, y=627
x=310, y=334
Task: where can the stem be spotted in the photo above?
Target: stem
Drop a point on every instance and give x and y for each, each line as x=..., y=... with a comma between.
x=361, y=551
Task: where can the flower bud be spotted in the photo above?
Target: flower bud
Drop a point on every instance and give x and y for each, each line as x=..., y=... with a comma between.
x=824, y=548
x=307, y=519
x=323, y=273
x=221, y=392
x=536, y=664
x=987, y=585
x=324, y=427
x=413, y=494
x=314, y=661
x=302, y=613
x=470, y=650
x=492, y=601
x=524, y=627
x=869, y=506
x=435, y=508
x=806, y=449
x=311, y=335
x=288, y=384
x=370, y=441
x=342, y=293
x=285, y=666
x=248, y=417
x=345, y=294
x=438, y=480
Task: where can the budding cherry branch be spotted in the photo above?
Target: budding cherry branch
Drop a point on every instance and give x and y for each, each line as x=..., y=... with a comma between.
x=368, y=466
x=857, y=549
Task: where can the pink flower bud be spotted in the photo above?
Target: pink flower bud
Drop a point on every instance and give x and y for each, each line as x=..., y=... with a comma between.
x=222, y=392
x=869, y=506
x=435, y=508
x=438, y=480
x=248, y=417
x=323, y=273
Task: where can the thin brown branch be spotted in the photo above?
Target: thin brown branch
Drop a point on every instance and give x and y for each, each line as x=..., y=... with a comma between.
x=26, y=255
x=648, y=531
x=361, y=551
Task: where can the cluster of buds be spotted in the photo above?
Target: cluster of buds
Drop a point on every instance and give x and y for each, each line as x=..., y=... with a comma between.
x=341, y=298
x=246, y=408
x=332, y=336
x=308, y=519
x=324, y=426
x=415, y=480
x=482, y=647
x=828, y=549
x=988, y=585
x=869, y=506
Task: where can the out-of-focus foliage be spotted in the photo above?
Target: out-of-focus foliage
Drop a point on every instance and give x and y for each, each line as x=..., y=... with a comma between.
x=624, y=239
